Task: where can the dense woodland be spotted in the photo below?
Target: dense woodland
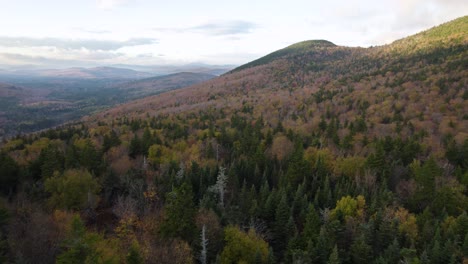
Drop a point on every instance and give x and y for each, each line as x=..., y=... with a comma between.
x=313, y=154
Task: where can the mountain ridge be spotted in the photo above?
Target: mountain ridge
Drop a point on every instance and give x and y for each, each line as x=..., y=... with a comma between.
x=325, y=69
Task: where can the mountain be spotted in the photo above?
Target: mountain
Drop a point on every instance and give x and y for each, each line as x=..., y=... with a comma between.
x=171, y=69
x=295, y=49
x=155, y=85
x=394, y=90
x=315, y=153
x=8, y=90
x=79, y=73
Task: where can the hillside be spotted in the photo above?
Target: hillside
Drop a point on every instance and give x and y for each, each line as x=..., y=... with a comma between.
x=298, y=85
x=159, y=84
x=315, y=153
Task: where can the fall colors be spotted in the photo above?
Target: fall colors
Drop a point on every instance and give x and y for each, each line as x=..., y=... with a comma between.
x=316, y=153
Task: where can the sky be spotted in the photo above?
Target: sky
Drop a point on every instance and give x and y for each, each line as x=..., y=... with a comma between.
x=88, y=33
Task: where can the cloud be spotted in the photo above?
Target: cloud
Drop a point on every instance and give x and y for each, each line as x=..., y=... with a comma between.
x=110, y=4
x=25, y=42
x=20, y=59
x=93, y=31
x=419, y=14
x=219, y=28
x=222, y=28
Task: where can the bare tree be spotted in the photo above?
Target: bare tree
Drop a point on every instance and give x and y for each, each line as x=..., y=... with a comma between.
x=220, y=185
x=204, y=243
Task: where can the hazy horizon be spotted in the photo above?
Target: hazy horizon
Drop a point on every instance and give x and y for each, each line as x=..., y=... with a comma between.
x=55, y=34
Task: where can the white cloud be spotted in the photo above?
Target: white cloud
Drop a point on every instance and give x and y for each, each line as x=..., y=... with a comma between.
x=109, y=4
x=90, y=44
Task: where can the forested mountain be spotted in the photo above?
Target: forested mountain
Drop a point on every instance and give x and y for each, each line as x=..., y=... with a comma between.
x=315, y=153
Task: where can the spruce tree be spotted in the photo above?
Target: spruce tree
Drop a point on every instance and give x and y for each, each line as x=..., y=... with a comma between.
x=334, y=257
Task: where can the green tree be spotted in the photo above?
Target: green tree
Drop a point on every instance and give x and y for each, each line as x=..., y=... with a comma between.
x=312, y=224
x=179, y=214
x=81, y=246
x=4, y=217
x=75, y=189
x=425, y=177
x=282, y=216
x=110, y=140
x=361, y=252
x=135, y=147
x=334, y=257
x=9, y=173
x=298, y=167
x=243, y=247
x=465, y=246
x=53, y=160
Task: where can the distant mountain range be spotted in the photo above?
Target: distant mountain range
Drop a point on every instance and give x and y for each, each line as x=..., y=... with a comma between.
x=113, y=72
x=39, y=99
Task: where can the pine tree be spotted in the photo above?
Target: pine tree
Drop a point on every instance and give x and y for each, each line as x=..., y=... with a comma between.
x=334, y=257
x=180, y=213
x=282, y=216
x=465, y=246
x=135, y=147
x=361, y=251
x=436, y=256
x=312, y=224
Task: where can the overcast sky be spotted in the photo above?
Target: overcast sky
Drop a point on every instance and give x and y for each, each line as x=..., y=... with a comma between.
x=66, y=33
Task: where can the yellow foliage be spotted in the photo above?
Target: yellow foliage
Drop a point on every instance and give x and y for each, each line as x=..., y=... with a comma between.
x=325, y=155
x=408, y=225
x=350, y=166
x=159, y=154
x=242, y=247
x=12, y=144
x=349, y=207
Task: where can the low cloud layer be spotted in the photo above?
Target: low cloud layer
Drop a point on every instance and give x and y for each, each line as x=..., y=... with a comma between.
x=225, y=28
x=217, y=28
x=109, y=4
x=25, y=42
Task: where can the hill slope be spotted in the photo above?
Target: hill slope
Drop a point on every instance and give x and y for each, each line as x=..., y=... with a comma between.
x=159, y=84
x=425, y=88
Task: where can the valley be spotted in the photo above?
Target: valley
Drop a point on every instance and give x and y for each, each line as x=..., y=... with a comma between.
x=37, y=100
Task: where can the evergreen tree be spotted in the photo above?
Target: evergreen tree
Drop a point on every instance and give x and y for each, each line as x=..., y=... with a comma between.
x=282, y=216
x=334, y=258
x=9, y=172
x=297, y=166
x=135, y=147
x=436, y=256
x=312, y=224
x=180, y=213
x=361, y=252
x=465, y=246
